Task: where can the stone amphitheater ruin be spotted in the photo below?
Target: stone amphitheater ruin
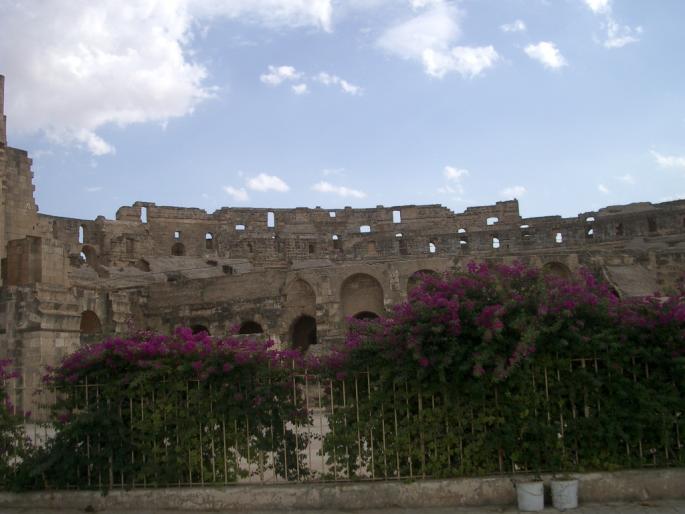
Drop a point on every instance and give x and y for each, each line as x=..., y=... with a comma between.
x=295, y=275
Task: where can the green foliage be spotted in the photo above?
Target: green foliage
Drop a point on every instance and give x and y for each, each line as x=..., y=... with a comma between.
x=505, y=369
x=155, y=410
x=495, y=370
x=15, y=447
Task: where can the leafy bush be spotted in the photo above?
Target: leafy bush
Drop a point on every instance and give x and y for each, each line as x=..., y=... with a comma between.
x=505, y=368
x=152, y=409
x=14, y=445
x=499, y=369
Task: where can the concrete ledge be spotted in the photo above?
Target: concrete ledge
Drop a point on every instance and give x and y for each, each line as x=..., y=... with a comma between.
x=659, y=484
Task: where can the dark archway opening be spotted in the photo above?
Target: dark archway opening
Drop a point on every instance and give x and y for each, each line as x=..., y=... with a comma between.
x=198, y=329
x=365, y=315
x=91, y=328
x=90, y=323
x=250, y=327
x=178, y=250
x=557, y=269
x=304, y=333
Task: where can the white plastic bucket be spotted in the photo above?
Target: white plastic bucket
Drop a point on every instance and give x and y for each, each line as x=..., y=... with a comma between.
x=565, y=494
x=530, y=496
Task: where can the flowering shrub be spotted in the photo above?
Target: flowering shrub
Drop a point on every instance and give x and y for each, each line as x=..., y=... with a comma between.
x=159, y=410
x=507, y=368
x=499, y=369
x=13, y=442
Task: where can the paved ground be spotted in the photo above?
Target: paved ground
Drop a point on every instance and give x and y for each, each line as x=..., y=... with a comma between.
x=649, y=507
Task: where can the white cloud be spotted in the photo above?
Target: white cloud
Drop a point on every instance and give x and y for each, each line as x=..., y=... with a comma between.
x=513, y=192
x=619, y=36
x=238, y=194
x=669, y=161
x=454, y=174
x=514, y=26
x=278, y=74
x=74, y=67
x=627, y=179
x=93, y=189
x=270, y=13
x=328, y=79
x=599, y=6
x=327, y=187
x=264, y=182
x=83, y=137
x=420, y=4
x=350, y=89
x=429, y=38
x=468, y=61
x=453, y=177
x=547, y=53
x=300, y=89
x=436, y=28
x=326, y=172
x=603, y=189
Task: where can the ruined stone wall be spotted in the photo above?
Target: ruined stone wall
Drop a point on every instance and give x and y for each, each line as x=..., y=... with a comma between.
x=18, y=209
x=343, y=234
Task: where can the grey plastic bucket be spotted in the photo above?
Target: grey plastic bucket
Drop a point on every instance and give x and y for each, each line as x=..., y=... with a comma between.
x=530, y=496
x=565, y=494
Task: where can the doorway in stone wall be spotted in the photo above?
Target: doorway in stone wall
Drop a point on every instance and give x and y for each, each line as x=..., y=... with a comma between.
x=303, y=333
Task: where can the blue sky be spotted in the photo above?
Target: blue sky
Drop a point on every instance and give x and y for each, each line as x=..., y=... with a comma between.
x=567, y=105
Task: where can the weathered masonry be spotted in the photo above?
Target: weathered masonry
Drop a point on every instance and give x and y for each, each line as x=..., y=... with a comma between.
x=292, y=274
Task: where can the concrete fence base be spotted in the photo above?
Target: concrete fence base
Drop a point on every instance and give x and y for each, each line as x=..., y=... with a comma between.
x=658, y=484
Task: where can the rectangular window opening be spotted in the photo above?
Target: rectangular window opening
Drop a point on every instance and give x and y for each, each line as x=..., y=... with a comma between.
x=270, y=220
x=396, y=217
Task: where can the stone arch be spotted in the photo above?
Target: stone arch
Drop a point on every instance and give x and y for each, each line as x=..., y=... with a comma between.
x=90, y=323
x=178, y=250
x=300, y=296
x=299, y=301
x=250, y=327
x=361, y=293
x=303, y=333
x=416, y=277
x=557, y=269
